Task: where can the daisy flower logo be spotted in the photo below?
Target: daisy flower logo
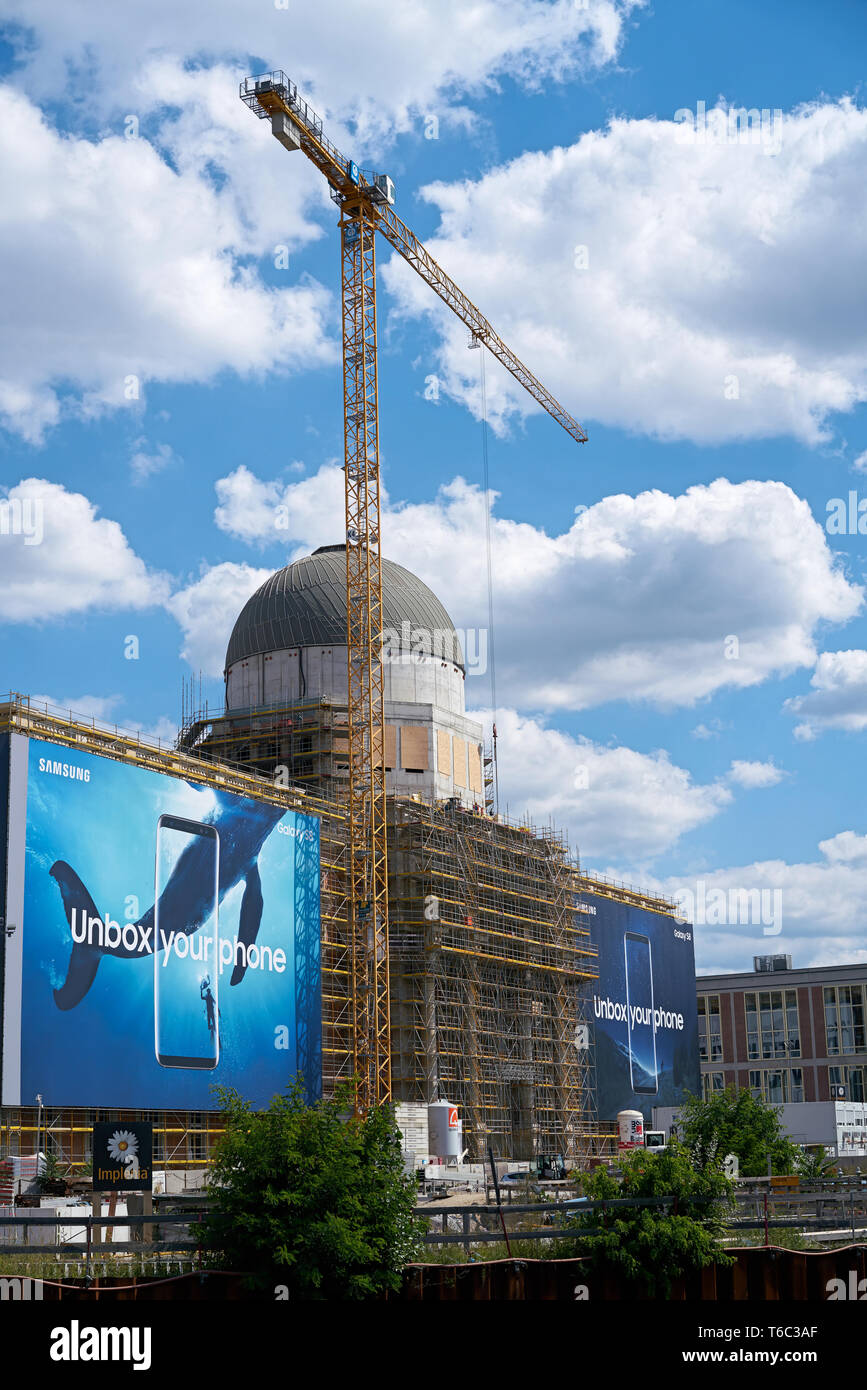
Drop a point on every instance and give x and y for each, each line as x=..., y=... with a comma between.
x=123, y=1147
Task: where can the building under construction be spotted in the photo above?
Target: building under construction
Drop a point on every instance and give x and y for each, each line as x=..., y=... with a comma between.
x=491, y=959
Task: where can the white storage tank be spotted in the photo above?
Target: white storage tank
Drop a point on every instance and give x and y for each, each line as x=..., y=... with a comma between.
x=630, y=1125
x=445, y=1130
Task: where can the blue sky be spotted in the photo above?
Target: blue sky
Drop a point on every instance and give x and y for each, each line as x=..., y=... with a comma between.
x=696, y=299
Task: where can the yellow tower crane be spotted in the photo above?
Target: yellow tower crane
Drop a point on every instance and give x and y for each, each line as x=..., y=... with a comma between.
x=366, y=202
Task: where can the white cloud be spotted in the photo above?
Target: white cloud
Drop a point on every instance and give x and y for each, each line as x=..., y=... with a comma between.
x=119, y=270
x=636, y=601
x=143, y=464
x=103, y=711
x=712, y=729
x=264, y=512
x=837, y=698
x=845, y=848
x=820, y=906
x=367, y=62
x=98, y=707
x=64, y=559
x=207, y=608
x=609, y=800
x=162, y=730
x=752, y=775
x=683, y=324
x=860, y=463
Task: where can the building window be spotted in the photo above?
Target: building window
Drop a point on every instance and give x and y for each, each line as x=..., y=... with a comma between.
x=773, y=1029
x=713, y=1083
x=844, y=1019
x=778, y=1086
x=853, y=1078
x=709, y=1028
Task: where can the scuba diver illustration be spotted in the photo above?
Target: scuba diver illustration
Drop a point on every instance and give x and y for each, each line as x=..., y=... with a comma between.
x=206, y=995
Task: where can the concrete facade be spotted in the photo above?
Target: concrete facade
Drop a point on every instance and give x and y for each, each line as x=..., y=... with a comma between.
x=432, y=749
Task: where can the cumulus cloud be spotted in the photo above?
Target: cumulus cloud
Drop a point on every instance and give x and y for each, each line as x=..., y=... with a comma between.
x=378, y=69
x=845, y=848
x=610, y=800
x=837, y=698
x=654, y=277
x=659, y=598
x=752, y=775
x=263, y=512
x=119, y=269
x=206, y=610
x=819, y=906
x=57, y=557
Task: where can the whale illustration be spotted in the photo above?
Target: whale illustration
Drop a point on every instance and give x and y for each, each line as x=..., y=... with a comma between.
x=186, y=901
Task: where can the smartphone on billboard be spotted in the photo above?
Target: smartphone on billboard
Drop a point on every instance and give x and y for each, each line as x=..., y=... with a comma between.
x=641, y=1024
x=186, y=944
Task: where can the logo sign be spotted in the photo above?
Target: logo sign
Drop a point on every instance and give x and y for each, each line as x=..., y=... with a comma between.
x=453, y=1117
x=122, y=1157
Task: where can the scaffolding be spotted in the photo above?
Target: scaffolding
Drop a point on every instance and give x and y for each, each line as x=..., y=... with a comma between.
x=491, y=956
x=490, y=974
x=18, y=714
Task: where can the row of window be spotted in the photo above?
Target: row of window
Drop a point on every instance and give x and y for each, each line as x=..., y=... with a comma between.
x=777, y=1087
x=773, y=1023
x=783, y=1086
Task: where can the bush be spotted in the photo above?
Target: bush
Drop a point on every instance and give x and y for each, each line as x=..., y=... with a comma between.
x=649, y=1247
x=311, y=1197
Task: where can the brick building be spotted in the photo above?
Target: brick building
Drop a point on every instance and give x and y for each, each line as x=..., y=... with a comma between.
x=787, y=1035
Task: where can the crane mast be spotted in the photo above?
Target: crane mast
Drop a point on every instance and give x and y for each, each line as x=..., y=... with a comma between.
x=365, y=200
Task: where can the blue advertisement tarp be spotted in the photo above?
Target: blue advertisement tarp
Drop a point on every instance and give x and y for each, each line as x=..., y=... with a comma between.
x=170, y=939
x=643, y=1021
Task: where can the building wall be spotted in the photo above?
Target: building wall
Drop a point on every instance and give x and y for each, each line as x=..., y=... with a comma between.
x=432, y=749
x=273, y=678
x=818, y=1060
x=840, y=1127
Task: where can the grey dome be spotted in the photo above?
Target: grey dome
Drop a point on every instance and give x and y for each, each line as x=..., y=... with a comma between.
x=304, y=605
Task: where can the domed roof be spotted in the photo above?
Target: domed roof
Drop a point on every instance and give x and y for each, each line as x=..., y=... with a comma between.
x=304, y=605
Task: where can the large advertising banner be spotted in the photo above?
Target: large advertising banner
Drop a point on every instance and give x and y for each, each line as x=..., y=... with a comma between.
x=165, y=938
x=644, y=1026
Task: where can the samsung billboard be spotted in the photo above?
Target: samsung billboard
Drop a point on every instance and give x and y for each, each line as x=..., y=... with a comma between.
x=161, y=937
x=643, y=1022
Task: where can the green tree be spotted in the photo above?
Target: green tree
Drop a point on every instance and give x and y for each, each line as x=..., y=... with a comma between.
x=648, y=1247
x=736, y=1122
x=311, y=1197
x=814, y=1165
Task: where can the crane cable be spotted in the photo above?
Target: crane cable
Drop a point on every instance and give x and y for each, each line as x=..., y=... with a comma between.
x=490, y=571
